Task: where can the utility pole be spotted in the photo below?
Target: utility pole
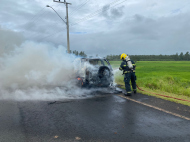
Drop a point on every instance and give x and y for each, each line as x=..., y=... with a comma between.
x=67, y=22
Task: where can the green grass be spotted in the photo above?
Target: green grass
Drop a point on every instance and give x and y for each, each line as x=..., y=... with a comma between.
x=172, y=77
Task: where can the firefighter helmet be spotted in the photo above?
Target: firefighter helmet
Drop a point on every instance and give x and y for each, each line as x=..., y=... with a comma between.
x=123, y=56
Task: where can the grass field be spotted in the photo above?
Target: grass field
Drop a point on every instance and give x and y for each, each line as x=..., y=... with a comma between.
x=168, y=77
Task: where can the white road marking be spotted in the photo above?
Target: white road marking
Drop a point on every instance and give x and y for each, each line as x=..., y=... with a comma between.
x=160, y=109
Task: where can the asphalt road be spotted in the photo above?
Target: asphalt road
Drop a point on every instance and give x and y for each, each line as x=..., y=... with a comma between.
x=102, y=118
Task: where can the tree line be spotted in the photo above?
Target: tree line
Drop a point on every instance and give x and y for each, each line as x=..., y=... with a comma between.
x=175, y=57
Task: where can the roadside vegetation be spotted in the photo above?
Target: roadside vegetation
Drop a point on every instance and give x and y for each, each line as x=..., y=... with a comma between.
x=170, y=78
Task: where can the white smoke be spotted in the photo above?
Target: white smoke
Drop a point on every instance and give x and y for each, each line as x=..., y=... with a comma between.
x=35, y=65
x=8, y=40
x=38, y=71
x=116, y=72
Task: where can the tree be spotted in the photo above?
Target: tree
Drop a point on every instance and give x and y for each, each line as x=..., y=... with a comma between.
x=181, y=56
x=82, y=54
x=176, y=57
x=187, y=56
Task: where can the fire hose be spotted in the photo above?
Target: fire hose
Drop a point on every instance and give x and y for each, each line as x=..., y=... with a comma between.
x=163, y=95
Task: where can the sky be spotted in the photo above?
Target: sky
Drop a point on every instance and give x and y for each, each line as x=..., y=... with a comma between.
x=134, y=27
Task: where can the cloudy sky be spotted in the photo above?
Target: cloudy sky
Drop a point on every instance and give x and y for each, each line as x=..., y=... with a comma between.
x=136, y=27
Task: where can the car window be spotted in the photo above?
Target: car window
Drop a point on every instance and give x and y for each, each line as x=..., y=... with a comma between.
x=98, y=62
x=105, y=63
x=92, y=62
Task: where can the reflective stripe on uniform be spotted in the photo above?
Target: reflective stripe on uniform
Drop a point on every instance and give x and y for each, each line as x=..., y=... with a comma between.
x=120, y=68
x=124, y=65
x=129, y=71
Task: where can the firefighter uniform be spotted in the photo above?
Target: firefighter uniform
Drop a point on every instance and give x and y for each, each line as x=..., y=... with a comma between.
x=129, y=76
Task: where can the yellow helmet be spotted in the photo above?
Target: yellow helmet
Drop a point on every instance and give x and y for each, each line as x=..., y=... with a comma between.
x=123, y=56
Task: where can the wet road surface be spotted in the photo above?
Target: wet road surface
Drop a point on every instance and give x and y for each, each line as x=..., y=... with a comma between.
x=104, y=118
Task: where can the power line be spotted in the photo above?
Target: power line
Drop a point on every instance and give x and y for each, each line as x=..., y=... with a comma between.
x=38, y=19
x=74, y=11
x=37, y=34
x=77, y=9
x=34, y=18
x=52, y=34
x=111, y=5
x=37, y=13
x=96, y=12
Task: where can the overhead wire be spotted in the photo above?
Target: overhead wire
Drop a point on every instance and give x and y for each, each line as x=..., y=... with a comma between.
x=38, y=18
x=111, y=5
x=37, y=13
x=80, y=6
x=71, y=14
x=94, y=13
x=52, y=34
x=77, y=8
x=74, y=11
x=34, y=18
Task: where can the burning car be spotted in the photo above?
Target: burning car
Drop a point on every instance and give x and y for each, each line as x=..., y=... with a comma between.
x=93, y=72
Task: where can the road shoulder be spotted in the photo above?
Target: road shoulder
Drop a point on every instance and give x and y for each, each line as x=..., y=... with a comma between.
x=157, y=103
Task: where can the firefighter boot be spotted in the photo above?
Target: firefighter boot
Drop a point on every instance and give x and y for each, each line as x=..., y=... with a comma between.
x=127, y=94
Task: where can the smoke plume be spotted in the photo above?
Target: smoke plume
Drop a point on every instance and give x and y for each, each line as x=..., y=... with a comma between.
x=38, y=71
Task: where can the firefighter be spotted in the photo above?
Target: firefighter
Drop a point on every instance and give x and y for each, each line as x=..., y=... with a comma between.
x=128, y=67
